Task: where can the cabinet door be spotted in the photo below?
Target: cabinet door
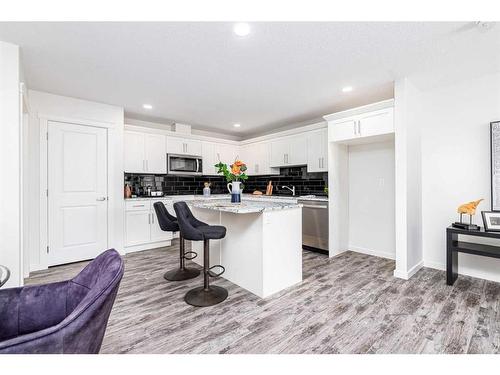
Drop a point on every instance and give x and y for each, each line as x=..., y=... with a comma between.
x=137, y=227
x=249, y=157
x=297, y=150
x=314, y=152
x=317, y=151
x=279, y=151
x=225, y=153
x=134, y=158
x=192, y=147
x=176, y=146
x=209, y=159
x=157, y=234
x=155, y=153
x=344, y=129
x=377, y=123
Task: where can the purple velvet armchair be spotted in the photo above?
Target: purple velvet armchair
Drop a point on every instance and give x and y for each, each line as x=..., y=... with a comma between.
x=64, y=317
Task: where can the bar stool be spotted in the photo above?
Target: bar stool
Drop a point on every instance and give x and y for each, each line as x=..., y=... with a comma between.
x=195, y=230
x=168, y=223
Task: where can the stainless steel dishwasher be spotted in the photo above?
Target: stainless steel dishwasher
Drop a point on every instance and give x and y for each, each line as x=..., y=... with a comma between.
x=314, y=225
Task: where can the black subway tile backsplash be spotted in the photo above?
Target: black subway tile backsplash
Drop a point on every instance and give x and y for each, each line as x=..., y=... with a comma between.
x=305, y=183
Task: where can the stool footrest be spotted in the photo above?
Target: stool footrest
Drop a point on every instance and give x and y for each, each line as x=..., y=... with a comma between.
x=214, y=274
x=190, y=255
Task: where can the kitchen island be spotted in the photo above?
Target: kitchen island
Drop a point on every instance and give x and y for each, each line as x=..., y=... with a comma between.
x=262, y=250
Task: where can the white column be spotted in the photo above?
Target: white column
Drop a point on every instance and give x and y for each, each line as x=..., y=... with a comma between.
x=10, y=163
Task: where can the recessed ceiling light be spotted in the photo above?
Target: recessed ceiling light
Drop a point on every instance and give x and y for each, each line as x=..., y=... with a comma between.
x=347, y=89
x=241, y=29
x=147, y=106
x=236, y=125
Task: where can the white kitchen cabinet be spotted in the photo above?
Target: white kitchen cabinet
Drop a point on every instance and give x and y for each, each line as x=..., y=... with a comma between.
x=257, y=158
x=134, y=152
x=226, y=153
x=142, y=230
x=184, y=146
x=317, y=150
x=368, y=124
x=155, y=154
x=144, y=153
x=289, y=151
x=209, y=158
x=137, y=227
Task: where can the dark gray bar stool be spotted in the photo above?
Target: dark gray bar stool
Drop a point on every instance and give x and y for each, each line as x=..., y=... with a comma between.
x=168, y=223
x=195, y=230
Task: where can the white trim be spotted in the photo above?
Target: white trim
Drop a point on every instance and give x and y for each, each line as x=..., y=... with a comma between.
x=284, y=133
x=380, y=254
x=464, y=271
x=408, y=274
x=169, y=133
x=360, y=110
x=148, y=246
x=112, y=200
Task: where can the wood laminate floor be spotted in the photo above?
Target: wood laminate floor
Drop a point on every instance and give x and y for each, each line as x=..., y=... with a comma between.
x=347, y=304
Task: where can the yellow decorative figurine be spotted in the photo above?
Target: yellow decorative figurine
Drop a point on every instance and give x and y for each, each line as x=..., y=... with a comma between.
x=468, y=209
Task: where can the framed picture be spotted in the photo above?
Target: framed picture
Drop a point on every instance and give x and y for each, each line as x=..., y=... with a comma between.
x=495, y=165
x=491, y=221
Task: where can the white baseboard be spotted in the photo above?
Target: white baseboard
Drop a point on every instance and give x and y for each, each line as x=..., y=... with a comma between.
x=465, y=271
x=148, y=246
x=380, y=254
x=402, y=274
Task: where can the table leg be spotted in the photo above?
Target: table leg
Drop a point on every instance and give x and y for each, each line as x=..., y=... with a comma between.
x=451, y=259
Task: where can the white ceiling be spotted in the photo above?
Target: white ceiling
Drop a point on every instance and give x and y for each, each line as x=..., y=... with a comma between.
x=202, y=74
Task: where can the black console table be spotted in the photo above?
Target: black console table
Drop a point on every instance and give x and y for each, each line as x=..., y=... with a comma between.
x=454, y=246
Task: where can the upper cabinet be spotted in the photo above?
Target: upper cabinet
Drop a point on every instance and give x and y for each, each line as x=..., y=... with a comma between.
x=144, y=153
x=183, y=146
x=257, y=158
x=368, y=124
x=289, y=151
x=213, y=152
x=317, y=150
x=226, y=153
x=209, y=158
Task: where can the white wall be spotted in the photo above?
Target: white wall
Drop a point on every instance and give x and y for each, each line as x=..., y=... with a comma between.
x=456, y=164
x=409, y=257
x=10, y=163
x=371, y=199
x=46, y=107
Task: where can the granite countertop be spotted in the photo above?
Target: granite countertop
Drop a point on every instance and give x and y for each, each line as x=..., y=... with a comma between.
x=245, y=207
x=245, y=196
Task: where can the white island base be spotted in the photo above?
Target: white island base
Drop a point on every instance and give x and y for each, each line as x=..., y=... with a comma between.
x=262, y=251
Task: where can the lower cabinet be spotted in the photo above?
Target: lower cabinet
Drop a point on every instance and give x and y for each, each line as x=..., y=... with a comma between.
x=142, y=230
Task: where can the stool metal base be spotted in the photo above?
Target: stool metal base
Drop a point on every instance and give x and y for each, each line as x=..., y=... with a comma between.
x=202, y=298
x=181, y=274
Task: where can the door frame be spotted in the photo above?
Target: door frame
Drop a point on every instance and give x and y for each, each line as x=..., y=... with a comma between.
x=113, y=200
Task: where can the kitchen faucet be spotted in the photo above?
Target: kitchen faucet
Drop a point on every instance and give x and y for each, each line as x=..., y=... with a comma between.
x=292, y=189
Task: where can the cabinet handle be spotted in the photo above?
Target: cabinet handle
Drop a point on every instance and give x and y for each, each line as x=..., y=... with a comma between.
x=359, y=127
x=153, y=218
x=149, y=218
x=355, y=127
x=138, y=205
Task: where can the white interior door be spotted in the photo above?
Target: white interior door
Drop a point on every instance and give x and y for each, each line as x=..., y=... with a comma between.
x=77, y=192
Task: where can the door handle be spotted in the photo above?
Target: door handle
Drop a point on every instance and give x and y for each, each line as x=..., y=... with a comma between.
x=100, y=199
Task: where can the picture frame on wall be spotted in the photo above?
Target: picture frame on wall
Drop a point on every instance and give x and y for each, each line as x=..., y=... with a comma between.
x=495, y=165
x=491, y=221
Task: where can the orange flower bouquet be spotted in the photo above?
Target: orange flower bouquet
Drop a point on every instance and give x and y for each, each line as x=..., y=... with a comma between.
x=235, y=172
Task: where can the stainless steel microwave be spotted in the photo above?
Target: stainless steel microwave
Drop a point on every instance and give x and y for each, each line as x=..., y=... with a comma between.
x=184, y=165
